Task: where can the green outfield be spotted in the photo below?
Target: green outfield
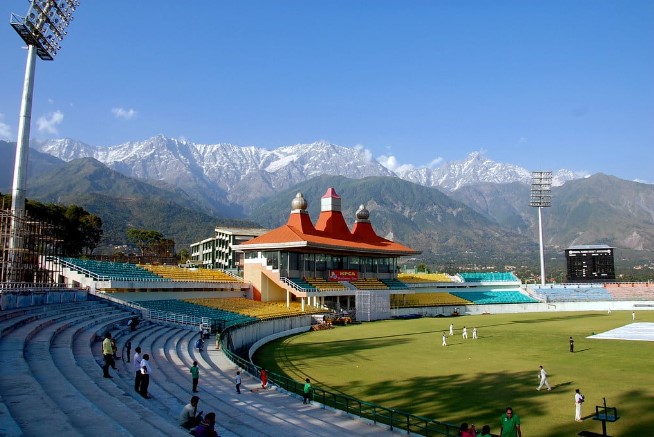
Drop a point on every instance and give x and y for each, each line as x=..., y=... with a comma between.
x=402, y=365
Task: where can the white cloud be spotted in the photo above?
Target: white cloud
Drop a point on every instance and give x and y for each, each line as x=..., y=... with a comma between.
x=48, y=124
x=5, y=130
x=391, y=163
x=124, y=113
x=436, y=162
x=367, y=153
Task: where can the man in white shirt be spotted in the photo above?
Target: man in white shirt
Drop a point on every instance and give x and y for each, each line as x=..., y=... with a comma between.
x=146, y=370
x=543, y=380
x=108, y=355
x=190, y=417
x=451, y=328
x=137, y=369
x=579, y=399
x=465, y=333
x=474, y=333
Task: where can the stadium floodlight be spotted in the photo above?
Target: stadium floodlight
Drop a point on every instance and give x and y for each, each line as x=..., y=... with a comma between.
x=541, y=197
x=42, y=29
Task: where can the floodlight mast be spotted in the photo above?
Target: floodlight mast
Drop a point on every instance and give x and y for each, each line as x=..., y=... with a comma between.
x=42, y=29
x=541, y=196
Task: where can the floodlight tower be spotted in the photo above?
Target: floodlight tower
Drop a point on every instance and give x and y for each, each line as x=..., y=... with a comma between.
x=541, y=196
x=42, y=29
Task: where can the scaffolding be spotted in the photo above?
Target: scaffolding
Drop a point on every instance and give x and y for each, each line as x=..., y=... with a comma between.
x=26, y=245
x=373, y=305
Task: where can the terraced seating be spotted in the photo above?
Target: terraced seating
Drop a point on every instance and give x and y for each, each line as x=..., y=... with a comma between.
x=253, y=308
x=369, y=284
x=301, y=283
x=111, y=270
x=39, y=368
x=52, y=384
x=631, y=291
x=325, y=285
x=253, y=412
x=574, y=293
x=494, y=297
x=394, y=284
x=413, y=278
x=222, y=317
x=489, y=277
x=175, y=273
x=426, y=300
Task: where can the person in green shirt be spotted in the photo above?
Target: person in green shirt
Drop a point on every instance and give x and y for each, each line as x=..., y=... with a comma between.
x=510, y=424
x=195, y=374
x=307, y=392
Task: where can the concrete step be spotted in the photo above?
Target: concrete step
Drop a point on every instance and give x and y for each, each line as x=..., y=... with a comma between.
x=116, y=396
x=60, y=379
x=129, y=408
x=19, y=387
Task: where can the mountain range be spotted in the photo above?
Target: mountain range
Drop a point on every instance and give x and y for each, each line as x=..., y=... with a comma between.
x=468, y=206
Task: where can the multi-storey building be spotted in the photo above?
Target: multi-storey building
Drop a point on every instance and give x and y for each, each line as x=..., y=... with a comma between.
x=217, y=252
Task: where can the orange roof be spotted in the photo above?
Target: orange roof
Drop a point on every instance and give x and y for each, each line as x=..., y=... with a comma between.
x=331, y=233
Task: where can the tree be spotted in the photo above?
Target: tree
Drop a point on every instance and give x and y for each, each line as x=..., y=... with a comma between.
x=79, y=230
x=144, y=238
x=184, y=255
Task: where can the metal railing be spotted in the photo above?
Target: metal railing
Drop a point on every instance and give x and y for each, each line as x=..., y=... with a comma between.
x=159, y=315
x=394, y=419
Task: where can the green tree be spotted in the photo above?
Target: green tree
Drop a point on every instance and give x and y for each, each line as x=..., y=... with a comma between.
x=79, y=230
x=184, y=255
x=144, y=238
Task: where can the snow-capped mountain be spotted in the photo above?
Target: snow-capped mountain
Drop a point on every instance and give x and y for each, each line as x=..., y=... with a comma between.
x=476, y=169
x=243, y=174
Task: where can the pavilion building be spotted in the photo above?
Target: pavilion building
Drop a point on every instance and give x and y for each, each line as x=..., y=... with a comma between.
x=325, y=265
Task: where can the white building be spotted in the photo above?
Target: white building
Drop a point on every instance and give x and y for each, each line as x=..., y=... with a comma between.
x=217, y=252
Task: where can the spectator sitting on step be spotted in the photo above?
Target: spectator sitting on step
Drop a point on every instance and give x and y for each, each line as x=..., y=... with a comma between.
x=190, y=417
x=206, y=427
x=199, y=344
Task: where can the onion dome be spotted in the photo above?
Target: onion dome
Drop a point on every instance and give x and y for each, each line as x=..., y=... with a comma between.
x=362, y=213
x=299, y=202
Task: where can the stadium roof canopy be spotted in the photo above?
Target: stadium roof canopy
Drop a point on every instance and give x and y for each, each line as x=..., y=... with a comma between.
x=330, y=234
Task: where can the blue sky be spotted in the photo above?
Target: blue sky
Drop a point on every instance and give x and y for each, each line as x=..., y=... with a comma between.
x=542, y=84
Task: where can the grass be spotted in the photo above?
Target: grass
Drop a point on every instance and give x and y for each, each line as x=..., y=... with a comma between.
x=402, y=365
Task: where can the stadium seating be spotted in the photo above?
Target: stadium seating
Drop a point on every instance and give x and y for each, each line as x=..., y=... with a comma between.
x=302, y=284
x=489, y=277
x=175, y=273
x=411, y=278
x=369, y=284
x=51, y=359
x=111, y=270
x=325, y=285
x=222, y=317
x=631, y=291
x=426, y=300
x=573, y=293
x=494, y=297
x=394, y=284
x=253, y=308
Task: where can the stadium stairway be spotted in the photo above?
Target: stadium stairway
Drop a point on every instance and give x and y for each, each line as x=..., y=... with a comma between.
x=52, y=382
x=47, y=391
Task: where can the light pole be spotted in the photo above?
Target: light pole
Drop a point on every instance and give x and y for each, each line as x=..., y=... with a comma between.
x=541, y=196
x=42, y=29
